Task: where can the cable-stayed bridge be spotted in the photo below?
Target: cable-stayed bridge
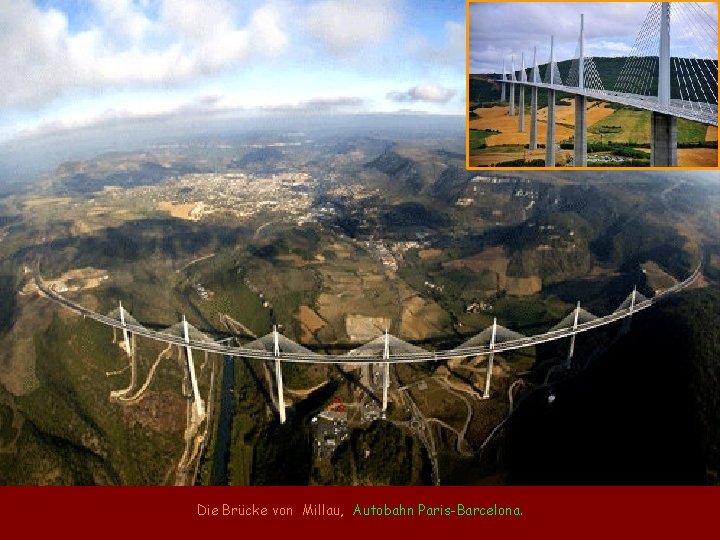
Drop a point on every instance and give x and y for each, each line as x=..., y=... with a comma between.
x=670, y=86
x=384, y=350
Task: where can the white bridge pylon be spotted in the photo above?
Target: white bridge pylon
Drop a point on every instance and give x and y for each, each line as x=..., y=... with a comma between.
x=385, y=346
x=279, y=345
x=199, y=408
x=491, y=337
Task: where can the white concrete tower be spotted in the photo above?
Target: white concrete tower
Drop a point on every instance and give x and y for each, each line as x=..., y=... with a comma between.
x=550, y=138
x=199, y=408
x=278, y=375
x=521, y=95
x=580, y=141
x=512, y=86
x=568, y=363
x=533, y=103
x=488, y=375
x=663, y=146
x=126, y=341
x=503, y=90
x=386, y=371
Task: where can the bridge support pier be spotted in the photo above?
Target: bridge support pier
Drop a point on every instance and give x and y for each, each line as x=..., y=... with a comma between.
x=512, y=99
x=386, y=373
x=521, y=108
x=550, y=139
x=126, y=341
x=503, y=92
x=278, y=377
x=199, y=408
x=568, y=362
x=488, y=375
x=533, y=119
x=580, y=158
x=663, y=137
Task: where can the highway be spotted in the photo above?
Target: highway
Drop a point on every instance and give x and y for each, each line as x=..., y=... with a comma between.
x=358, y=357
x=696, y=111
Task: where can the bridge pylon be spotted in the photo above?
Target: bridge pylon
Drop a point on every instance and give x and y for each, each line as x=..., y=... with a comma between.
x=199, y=407
x=580, y=139
x=488, y=375
x=278, y=375
x=568, y=362
x=126, y=342
x=663, y=147
x=521, y=95
x=550, y=138
x=535, y=77
x=386, y=372
x=503, y=84
x=512, y=86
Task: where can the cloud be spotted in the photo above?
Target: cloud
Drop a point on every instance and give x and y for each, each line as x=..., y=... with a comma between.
x=429, y=92
x=344, y=26
x=41, y=58
x=204, y=107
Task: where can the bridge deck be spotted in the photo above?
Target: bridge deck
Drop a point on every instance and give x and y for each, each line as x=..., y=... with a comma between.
x=695, y=111
x=406, y=357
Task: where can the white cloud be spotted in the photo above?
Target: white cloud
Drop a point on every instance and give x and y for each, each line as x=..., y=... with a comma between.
x=429, y=92
x=343, y=26
x=41, y=58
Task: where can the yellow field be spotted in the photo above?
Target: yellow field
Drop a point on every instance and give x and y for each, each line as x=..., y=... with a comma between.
x=45, y=201
x=697, y=157
x=711, y=134
x=565, y=114
x=191, y=211
x=488, y=157
x=497, y=118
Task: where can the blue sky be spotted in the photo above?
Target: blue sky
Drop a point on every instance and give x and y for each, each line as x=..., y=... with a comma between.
x=76, y=63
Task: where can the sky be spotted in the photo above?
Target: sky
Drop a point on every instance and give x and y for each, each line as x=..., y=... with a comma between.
x=501, y=30
x=71, y=64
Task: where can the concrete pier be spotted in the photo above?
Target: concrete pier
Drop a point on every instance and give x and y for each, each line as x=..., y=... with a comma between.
x=550, y=138
x=533, y=118
x=580, y=158
x=663, y=144
x=521, y=95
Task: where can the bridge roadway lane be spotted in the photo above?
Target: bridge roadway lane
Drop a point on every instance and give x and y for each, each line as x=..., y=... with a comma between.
x=703, y=112
x=408, y=357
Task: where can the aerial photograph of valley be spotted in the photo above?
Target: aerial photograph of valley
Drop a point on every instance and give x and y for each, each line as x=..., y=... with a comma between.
x=219, y=268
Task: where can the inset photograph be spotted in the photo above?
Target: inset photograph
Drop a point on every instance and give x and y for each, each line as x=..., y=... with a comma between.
x=594, y=84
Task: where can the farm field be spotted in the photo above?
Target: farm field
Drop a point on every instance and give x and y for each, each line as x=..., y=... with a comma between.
x=606, y=124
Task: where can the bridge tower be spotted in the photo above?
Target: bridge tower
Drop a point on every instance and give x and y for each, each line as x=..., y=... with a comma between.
x=199, y=408
x=628, y=320
x=488, y=375
x=521, y=95
x=580, y=144
x=535, y=77
x=550, y=138
x=568, y=362
x=512, y=86
x=278, y=375
x=503, y=85
x=663, y=152
x=386, y=372
x=127, y=347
